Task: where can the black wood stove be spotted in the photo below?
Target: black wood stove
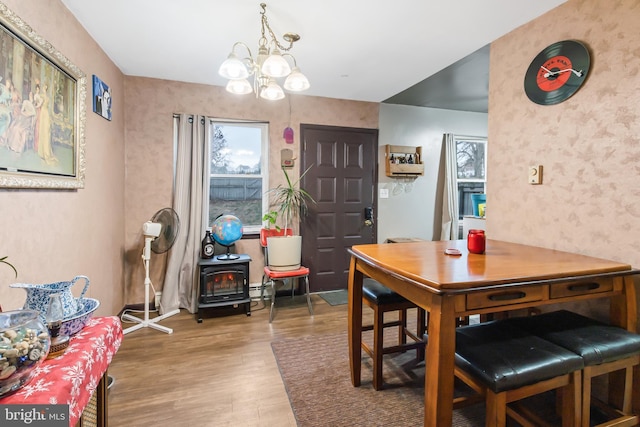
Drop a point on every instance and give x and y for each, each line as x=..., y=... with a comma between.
x=223, y=282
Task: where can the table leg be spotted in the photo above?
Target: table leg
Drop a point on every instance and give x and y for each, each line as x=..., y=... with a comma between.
x=100, y=398
x=355, y=322
x=438, y=398
x=103, y=400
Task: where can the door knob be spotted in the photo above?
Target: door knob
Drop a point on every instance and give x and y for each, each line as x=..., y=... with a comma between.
x=368, y=216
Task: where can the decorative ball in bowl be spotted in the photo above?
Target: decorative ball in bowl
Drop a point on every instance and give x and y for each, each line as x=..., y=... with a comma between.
x=24, y=345
x=73, y=324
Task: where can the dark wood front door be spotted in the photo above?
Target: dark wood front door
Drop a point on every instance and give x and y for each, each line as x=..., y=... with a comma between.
x=342, y=180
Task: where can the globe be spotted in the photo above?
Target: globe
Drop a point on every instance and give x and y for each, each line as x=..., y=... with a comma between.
x=226, y=230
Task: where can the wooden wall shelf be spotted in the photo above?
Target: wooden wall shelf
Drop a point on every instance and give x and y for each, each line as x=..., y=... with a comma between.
x=408, y=154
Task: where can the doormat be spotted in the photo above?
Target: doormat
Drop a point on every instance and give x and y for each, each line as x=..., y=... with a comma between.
x=339, y=297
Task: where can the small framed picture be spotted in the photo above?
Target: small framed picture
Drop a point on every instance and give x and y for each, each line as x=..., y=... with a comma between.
x=101, y=98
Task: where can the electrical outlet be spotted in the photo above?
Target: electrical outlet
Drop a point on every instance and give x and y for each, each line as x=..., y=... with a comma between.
x=535, y=174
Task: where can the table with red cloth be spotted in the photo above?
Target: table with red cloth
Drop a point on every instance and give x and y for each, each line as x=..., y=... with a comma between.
x=73, y=377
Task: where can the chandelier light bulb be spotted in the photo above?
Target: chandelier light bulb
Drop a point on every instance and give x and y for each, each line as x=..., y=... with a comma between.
x=239, y=86
x=272, y=91
x=275, y=65
x=296, y=81
x=233, y=68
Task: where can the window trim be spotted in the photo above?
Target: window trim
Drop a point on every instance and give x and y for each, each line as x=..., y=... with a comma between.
x=478, y=139
x=264, y=168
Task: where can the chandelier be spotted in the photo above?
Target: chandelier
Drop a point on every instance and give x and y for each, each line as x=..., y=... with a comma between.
x=270, y=64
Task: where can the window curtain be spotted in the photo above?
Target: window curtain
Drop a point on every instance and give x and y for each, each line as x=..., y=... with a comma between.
x=450, y=189
x=180, y=288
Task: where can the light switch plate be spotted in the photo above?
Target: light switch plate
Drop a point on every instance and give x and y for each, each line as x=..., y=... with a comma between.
x=384, y=193
x=535, y=174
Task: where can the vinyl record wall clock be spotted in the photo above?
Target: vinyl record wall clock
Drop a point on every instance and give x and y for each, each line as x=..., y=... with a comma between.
x=557, y=72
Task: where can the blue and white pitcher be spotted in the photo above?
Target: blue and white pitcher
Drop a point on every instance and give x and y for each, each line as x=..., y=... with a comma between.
x=38, y=296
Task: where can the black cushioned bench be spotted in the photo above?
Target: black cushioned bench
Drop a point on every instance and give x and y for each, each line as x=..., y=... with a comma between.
x=507, y=364
x=604, y=349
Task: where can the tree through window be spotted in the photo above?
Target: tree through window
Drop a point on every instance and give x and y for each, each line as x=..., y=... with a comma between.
x=471, y=155
x=237, y=172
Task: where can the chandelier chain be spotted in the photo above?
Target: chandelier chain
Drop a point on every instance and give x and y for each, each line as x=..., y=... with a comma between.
x=265, y=23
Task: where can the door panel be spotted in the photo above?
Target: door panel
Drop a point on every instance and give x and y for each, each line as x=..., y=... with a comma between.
x=342, y=181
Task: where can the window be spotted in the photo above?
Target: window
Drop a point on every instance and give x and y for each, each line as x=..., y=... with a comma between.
x=471, y=154
x=238, y=173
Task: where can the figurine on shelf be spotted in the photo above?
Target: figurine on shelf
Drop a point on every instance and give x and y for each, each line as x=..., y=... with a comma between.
x=410, y=160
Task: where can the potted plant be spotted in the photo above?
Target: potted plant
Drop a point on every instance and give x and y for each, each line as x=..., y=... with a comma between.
x=290, y=201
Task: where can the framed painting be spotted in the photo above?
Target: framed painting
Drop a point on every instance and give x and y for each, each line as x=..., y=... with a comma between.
x=101, y=98
x=42, y=111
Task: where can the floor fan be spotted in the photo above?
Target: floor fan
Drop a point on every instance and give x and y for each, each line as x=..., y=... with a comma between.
x=159, y=235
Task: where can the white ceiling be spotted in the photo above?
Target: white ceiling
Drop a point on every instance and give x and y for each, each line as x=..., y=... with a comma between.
x=367, y=50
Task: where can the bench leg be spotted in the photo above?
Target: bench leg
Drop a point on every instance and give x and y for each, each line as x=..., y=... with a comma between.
x=422, y=329
x=571, y=401
x=378, y=338
x=402, y=335
x=496, y=405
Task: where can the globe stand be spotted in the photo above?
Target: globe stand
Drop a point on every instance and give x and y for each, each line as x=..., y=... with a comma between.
x=228, y=256
x=227, y=229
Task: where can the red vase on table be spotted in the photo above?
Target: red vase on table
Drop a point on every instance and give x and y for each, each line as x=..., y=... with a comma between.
x=476, y=241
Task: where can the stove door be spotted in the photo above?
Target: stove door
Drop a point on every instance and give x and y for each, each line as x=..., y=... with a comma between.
x=221, y=285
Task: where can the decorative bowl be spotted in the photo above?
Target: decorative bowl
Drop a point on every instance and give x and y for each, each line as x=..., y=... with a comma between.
x=24, y=345
x=73, y=324
x=38, y=295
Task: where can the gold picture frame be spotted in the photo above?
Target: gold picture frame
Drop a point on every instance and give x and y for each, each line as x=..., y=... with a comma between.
x=42, y=111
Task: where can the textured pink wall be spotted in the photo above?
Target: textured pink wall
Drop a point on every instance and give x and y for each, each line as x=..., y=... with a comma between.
x=150, y=105
x=55, y=235
x=589, y=145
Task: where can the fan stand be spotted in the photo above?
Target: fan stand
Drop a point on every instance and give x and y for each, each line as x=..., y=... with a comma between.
x=146, y=322
x=228, y=256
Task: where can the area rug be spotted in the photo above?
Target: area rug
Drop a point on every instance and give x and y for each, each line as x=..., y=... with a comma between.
x=339, y=297
x=315, y=371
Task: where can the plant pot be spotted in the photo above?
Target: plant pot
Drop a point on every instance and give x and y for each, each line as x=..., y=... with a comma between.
x=284, y=253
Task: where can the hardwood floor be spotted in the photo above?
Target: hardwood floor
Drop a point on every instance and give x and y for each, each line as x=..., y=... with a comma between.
x=220, y=372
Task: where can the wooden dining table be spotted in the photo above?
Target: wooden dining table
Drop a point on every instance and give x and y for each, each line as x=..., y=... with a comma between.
x=508, y=276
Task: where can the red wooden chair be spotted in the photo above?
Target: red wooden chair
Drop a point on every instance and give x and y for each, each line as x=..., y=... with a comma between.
x=271, y=276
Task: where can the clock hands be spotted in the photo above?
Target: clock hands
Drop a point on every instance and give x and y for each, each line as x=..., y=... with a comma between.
x=553, y=73
x=550, y=73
